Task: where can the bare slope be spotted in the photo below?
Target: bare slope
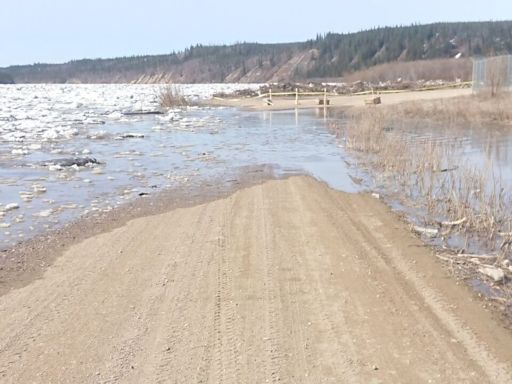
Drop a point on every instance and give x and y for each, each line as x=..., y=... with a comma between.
x=286, y=282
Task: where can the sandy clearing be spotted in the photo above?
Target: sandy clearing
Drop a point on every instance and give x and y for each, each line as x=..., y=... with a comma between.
x=282, y=103
x=288, y=281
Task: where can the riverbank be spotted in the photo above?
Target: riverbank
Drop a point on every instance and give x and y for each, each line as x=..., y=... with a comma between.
x=340, y=101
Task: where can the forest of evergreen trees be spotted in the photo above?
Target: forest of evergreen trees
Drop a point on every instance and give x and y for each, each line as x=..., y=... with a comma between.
x=341, y=53
x=6, y=78
x=329, y=56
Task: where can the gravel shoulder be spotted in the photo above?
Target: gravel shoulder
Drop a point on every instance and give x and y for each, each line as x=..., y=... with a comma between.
x=286, y=281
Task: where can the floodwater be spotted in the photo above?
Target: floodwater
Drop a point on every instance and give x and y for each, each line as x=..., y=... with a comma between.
x=145, y=154
x=129, y=156
x=475, y=167
x=486, y=147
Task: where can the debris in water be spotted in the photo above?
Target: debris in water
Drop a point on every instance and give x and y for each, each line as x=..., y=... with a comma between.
x=130, y=135
x=431, y=232
x=70, y=162
x=11, y=207
x=494, y=273
x=45, y=213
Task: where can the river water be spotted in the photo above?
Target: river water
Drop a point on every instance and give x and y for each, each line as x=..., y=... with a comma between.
x=45, y=128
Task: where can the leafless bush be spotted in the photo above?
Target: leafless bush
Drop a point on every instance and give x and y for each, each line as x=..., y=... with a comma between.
x=492, y=75
x=171, y=96
x=497, y=72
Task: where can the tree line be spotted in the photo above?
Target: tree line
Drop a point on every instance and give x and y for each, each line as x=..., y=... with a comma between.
x=330, y=55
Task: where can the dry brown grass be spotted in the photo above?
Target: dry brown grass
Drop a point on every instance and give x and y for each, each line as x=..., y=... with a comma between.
x=440, y=69
x=171, y=97
x=475, y=109
x=497, y=74
x=432, y=175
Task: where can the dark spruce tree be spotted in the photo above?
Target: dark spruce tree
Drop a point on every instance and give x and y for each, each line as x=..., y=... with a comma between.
x=5, y=78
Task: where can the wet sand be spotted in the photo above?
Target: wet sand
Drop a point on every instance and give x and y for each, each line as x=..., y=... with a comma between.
x=27, y=261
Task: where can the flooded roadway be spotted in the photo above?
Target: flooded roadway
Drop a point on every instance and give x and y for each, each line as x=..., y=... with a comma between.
x=51, y=176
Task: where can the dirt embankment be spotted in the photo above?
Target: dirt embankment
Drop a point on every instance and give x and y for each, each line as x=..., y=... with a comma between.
x=288, y=281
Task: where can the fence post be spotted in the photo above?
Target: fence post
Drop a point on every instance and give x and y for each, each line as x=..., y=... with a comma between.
x=270, y=94
x=325, y=97
x=296, y=96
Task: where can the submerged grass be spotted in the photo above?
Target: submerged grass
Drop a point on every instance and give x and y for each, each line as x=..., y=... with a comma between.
x=457, y=198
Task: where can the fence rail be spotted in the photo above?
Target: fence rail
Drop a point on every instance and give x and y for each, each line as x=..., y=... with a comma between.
x=269, y=95
x=297, y=94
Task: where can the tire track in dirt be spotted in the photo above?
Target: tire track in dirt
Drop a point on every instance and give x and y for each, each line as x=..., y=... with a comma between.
x=284, y=282
x=271, y=294
x=179, y=309
x=375, y=242
x=374, y=255
x=225, y=351
x=335, y=324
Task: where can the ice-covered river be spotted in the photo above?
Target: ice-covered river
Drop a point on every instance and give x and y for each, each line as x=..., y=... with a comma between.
x=67, y=150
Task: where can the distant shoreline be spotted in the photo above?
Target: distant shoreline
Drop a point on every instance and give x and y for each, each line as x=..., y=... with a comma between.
x=341, y=101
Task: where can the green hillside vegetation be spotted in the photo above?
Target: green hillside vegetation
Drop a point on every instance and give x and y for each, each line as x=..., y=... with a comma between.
x=327, y=56
x=6, y=78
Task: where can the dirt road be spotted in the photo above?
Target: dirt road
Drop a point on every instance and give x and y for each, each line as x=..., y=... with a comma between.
x=341, y=101
x=287, y=282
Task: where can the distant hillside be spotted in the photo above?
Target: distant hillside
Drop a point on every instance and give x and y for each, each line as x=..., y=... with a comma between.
x=327, y=56
x=6, y=78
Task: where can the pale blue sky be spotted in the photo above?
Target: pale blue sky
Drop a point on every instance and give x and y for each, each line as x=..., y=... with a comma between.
x=60, y=30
